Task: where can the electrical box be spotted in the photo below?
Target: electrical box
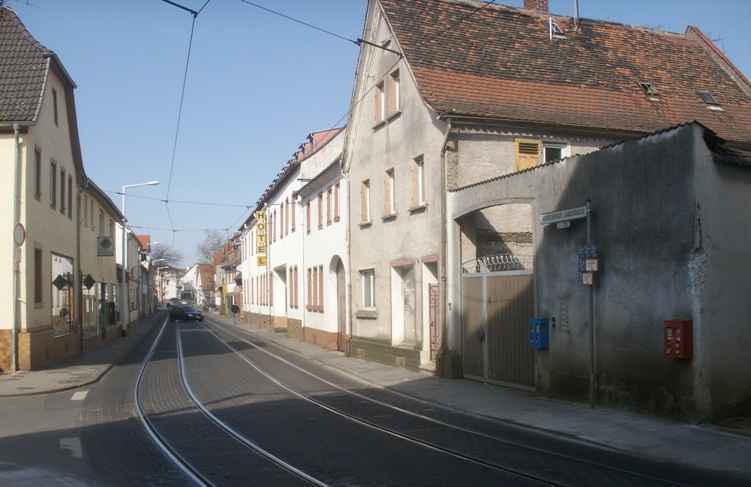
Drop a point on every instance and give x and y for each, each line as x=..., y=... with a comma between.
x=538, y=333
x=678, y=337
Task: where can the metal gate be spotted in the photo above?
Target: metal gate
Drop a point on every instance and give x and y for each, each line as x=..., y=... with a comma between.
x=497, y=307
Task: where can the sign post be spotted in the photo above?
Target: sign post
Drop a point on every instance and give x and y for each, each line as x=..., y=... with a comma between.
x=261, y=238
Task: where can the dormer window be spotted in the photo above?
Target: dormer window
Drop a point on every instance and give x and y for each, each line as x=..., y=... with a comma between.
x=556, y=32
x=708, y=98
x=649, y=90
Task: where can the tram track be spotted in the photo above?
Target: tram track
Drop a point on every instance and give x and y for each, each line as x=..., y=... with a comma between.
x=626, y=476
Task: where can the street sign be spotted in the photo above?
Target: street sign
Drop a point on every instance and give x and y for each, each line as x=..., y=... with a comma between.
x=564, y=215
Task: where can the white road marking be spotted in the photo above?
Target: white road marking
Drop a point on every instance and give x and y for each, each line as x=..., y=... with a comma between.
x=79, y=396
x=72, y=445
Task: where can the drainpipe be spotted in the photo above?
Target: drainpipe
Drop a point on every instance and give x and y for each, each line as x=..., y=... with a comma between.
x=15, y=209
x=79, y=288
x=444, y=241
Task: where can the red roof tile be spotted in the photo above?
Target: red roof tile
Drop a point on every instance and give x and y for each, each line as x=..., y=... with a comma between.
x=500, y=63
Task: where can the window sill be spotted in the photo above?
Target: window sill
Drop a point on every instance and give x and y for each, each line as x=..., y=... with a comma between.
x=418, y=209
x=379, y=124
x=336, y=219
x=389, y=217
x=365, y=224
x=393, y=116
x=366, y=314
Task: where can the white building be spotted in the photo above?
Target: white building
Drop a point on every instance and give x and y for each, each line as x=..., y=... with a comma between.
x=293, y=285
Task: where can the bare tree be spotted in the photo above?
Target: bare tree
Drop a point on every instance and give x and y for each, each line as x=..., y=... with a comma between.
x=212, y=241
x=167, y=254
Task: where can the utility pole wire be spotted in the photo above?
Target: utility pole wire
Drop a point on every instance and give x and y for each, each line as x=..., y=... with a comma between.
x=183, y=202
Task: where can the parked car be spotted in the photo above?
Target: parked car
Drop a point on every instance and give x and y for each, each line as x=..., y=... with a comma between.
x=185, y=313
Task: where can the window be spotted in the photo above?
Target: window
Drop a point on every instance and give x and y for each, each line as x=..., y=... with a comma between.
x=555, y=151
x=389, y=196
x=320, y=289
x=54, y=105
x=38, y=276
x=328, y=206
x=37, y=173
x=649, y=90
x=101, y=223
x=307, y=217
x=527, y=153
x=709, y=99
x=320, y=210
x=62, y=191
x=367, y=280
x=418, y=182
x=379, y=108
x=91, y=213
x=393, y=93
x=336, y=202
x=70, y=196
x=53, y=184
x=365, y=202
x=85, y=209
x=281, y=224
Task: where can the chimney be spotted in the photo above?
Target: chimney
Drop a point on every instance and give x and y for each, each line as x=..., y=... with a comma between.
x=539, y=6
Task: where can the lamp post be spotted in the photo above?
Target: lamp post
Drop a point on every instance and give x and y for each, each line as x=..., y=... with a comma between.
x=125, y=311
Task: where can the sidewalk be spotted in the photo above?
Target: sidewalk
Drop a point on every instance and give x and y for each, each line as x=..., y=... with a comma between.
x=660, y=439
x=80, y=371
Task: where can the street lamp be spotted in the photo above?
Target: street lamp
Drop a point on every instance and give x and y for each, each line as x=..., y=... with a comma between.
x=126, y=288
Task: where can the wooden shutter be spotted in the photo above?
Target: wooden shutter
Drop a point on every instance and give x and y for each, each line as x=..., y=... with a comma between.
x=527, y=153
x=320, y=289
x=328, y=207
x=294, y=210
x=336, y=202
x=307, y=216
x=363, y=202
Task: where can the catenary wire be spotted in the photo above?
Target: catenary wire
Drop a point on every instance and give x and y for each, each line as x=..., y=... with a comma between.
x=183, y=202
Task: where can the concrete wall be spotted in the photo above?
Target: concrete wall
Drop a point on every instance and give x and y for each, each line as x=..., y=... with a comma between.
x=644, y=196
x=371, y=149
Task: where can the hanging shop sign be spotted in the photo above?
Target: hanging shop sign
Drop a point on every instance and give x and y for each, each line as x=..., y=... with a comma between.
x=261, y=238
x=564, y=215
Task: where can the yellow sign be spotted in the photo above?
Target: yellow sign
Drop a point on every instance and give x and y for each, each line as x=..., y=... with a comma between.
x=261, y=238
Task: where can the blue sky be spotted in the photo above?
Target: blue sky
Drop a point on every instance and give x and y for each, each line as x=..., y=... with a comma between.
x=258, y=85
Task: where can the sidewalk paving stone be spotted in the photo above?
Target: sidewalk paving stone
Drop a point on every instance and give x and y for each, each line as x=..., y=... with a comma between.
x=79, y=371
x=702, y=446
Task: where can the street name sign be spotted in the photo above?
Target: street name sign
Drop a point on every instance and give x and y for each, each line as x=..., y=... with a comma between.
x=564, y=215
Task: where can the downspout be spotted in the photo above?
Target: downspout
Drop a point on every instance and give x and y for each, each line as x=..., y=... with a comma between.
x=79, y=288
x=444, y=250
x=14, y=250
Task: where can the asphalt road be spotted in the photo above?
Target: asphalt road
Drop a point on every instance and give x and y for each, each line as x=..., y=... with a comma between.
x=209, y=404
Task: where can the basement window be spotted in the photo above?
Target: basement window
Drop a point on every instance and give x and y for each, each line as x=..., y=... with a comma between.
x=649, y=90
x=554, y=151
x=709, y=99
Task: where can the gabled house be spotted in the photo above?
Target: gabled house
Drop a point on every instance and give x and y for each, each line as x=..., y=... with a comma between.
x=40, y=156
x=450, y=93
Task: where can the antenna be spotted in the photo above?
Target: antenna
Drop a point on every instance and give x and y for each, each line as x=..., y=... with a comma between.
x=576, y=14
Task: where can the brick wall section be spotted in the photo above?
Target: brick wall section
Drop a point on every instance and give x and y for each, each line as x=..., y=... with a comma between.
x=39, y=349
x=294, y=329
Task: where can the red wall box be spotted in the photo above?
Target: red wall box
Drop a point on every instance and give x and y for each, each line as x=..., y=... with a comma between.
x=678, y=339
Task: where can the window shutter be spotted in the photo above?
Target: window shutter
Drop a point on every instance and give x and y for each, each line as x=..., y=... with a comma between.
x=307, y=216
x=294, y=210
x=414, y=174
x=527, y=153
x=336, y=202
x=320, y=289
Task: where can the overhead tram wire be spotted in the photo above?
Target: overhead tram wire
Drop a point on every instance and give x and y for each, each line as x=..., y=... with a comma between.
x=357, y=42
x=182, y=202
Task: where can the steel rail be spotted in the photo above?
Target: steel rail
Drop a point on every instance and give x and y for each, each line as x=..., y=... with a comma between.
x=251, y=445
x=387, y=431
x=157, y=438
x=439, y=422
